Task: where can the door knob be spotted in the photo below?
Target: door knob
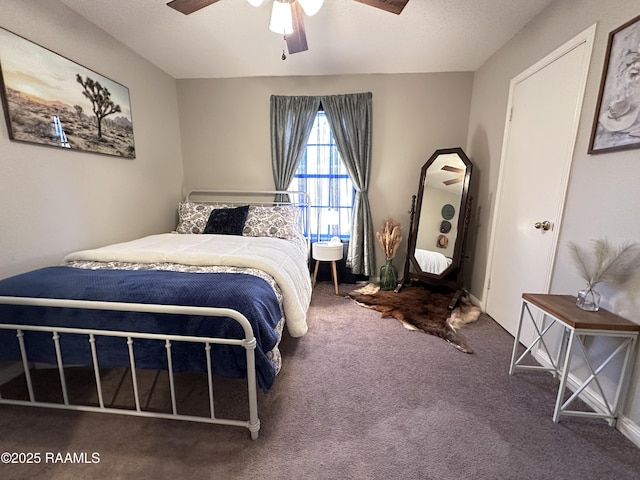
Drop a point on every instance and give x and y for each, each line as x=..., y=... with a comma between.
x=546, y=225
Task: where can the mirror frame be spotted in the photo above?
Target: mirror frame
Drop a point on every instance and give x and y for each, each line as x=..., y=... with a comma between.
x=452, y=276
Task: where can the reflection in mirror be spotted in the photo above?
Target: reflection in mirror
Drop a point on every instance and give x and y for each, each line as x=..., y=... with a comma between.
x=439, y=219
x=437, y=226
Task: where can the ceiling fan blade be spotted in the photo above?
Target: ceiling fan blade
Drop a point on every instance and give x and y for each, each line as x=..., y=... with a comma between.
x=393, y=6
x=449, y=168
x=453, y=181
x=189, y=6
x=297, y=41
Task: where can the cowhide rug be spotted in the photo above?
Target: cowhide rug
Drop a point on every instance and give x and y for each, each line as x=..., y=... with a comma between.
x=420, y=309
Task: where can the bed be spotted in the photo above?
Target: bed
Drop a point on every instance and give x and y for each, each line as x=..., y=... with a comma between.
x=432, y=262
x=213, y=296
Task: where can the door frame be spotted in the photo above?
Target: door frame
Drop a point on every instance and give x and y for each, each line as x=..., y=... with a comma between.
x=585, y=37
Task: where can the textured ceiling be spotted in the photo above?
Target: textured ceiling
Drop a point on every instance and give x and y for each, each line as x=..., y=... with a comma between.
x=231, y=38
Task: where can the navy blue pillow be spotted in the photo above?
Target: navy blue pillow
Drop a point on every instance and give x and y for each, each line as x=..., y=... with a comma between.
x=227, y=221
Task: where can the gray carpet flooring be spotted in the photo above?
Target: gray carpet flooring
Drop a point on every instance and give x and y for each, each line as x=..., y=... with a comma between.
x=359, y=397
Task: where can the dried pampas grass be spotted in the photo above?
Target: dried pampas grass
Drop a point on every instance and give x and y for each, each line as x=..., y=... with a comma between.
x=606, y=262
x=389, y=238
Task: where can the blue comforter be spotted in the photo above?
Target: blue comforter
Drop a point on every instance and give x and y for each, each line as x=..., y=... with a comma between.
x=250, y=295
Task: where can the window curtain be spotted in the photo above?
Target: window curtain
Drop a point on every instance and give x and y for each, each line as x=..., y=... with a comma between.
x=291, y=122
x=350, y=119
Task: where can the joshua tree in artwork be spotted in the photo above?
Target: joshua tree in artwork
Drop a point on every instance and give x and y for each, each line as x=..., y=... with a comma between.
x=100, y=98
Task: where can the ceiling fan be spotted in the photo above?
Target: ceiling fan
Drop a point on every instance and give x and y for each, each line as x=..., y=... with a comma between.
x=296, y=38
x=453, y=181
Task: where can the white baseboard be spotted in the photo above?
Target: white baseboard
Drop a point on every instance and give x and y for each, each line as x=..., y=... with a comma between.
x=623, y=424
x=476, y=301
x=10, y=370
x=629, y=429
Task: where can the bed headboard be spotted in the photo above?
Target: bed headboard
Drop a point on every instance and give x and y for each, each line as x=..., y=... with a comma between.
x=256, y=197
x=249, y=197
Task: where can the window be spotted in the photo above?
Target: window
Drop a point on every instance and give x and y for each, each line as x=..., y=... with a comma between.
x=322, y=174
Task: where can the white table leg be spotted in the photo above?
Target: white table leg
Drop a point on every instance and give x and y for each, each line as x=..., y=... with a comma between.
x=516, y=340
x=315, y=274
x=334, y=272
x=565, y=375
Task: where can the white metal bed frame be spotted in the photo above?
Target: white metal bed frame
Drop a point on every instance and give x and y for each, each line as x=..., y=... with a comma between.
x=248, y=342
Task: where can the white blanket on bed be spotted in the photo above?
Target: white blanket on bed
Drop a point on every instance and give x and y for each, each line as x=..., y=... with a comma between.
x=281, y=259
x=431, y=262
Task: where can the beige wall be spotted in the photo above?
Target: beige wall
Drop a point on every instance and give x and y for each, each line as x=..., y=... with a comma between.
x=54, y=201
x=603, y=194
x=225, y=130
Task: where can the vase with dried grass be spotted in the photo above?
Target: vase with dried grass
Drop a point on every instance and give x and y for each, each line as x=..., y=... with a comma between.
x=389, y=239
x=606, y=263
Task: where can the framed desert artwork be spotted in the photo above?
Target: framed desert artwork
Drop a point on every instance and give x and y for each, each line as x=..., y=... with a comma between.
x=51, y=100
x=616, y=125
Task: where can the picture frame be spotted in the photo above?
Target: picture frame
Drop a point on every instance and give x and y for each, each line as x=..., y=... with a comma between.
x=52, y=101
x=616, y=125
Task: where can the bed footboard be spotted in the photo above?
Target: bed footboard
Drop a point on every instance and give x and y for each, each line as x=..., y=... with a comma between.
x=248, y=343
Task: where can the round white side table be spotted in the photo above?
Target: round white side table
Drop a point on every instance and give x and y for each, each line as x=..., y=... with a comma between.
x=326, y=252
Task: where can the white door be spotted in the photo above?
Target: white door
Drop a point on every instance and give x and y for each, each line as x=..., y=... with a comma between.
x=543, y=114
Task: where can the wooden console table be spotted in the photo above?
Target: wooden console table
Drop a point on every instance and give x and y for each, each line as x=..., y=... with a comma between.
x=580, y=324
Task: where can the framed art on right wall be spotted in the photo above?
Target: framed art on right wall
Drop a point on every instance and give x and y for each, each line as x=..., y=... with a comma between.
x=616, y=125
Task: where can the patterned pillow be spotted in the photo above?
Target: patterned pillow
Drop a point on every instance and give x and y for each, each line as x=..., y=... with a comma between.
x=193, y=216
x=279, y=221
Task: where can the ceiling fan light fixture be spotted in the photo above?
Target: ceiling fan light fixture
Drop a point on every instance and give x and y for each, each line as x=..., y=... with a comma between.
x=255, y=3
x=311, y=7
x=281, y=18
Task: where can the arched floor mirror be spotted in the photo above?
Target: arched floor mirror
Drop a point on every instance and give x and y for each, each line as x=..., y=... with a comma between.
x=439, y=220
